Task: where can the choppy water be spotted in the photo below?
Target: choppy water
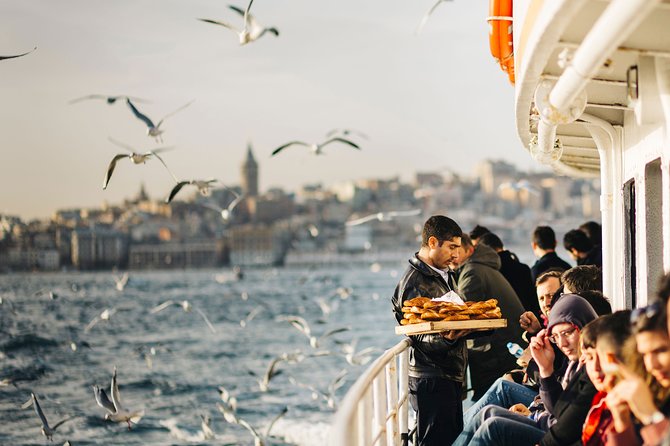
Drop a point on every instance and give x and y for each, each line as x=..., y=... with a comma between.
x=190, y=362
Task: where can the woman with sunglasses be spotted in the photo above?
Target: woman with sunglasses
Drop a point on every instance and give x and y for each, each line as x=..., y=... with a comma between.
x=640, y=406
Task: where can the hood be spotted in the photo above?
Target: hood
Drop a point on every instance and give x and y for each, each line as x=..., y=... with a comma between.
x=485, y=256
x=572, y=309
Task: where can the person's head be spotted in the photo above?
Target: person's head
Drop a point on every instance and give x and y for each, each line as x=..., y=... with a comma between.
x=577, y=244
x=582, y=278
x=492, y=241
x=440, y=241
x=651, y=335
x=612, y=335
x=593, y=231
x=543, y=241
x=464, y=252
x=546, y=286
x=477, y=232
x=590, y=355
x=598, y=301
x=567, y=318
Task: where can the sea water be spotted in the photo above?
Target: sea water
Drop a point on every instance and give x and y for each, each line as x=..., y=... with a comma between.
x=170, y=364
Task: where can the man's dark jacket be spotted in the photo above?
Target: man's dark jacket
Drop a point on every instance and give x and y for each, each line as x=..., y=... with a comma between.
x=550, y=260
x=593, y=257
x=430, y=355
x=518, y=275
x=479, y=279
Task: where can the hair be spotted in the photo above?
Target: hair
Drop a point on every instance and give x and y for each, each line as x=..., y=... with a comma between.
x=544, y=237
x=663, y=292
x=657, y=321
x=557, y=273
x=491, y=240
x=614, y=330
x=583, y=278
x=593, y=231
x=598, y=301
x=589, y=334
x=478, y=231
x=577, y=240
x=442, y=228
x=466, y=241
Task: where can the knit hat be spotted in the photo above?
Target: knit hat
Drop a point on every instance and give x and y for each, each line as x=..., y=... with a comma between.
x=571, y=309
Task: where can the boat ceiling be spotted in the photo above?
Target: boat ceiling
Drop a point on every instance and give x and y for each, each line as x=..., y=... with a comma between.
x=606, y=92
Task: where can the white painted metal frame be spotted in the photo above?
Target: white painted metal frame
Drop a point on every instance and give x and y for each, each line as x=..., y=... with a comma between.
x=375, y=410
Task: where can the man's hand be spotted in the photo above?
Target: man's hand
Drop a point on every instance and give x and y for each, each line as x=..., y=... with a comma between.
x=452, y=335
x=543, y=353
x=521, y=409
x=528, y=321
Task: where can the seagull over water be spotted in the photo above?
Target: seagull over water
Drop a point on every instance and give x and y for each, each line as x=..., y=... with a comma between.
x=17, y=55
x=316, y=148
x=121, y=281
x=383, y=216
x=187, y=307
x=153, y=130
x=116, y=412
x=204, y=187
x=135, y=157
x=109, y=99
x=227, y=212
x=47, y=431
x=302, y=326
x=104, y=316
x=252, y=30
x=427, y=15
x=260, y=439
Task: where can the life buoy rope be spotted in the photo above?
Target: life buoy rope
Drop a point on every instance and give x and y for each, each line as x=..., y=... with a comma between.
x=501, y=40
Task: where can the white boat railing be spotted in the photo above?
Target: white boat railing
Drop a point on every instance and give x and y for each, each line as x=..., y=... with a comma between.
x=375, y=410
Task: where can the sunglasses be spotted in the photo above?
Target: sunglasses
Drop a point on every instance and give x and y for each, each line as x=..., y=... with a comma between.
x=648, y=312
x=565, y=334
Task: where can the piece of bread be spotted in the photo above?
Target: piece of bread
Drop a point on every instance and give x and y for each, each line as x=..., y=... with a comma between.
x=404, y=322
x=455, y=317
x=429, y=315
x=417, y=301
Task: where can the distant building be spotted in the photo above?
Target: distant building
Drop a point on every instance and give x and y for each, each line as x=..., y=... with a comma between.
x=250, y=174
x=98, y=248
x=175, y=255
x=261, y=244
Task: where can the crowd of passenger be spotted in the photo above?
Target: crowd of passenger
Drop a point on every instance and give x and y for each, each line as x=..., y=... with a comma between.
x=583, y=375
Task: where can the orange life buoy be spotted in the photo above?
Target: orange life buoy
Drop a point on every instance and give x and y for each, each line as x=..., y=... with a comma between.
x=500, y=35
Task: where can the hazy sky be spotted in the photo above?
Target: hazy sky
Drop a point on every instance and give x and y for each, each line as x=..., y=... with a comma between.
x=427, y=102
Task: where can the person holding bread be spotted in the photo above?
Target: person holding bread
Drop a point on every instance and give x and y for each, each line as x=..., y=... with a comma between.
x=436, y=361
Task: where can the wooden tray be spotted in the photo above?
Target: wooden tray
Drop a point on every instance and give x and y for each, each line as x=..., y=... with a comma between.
x=438, y=326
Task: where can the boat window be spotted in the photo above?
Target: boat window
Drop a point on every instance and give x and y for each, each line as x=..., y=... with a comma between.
x=630, y=267
x=653, y=205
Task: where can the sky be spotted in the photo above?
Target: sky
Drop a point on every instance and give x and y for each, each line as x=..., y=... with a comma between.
x=430, y=102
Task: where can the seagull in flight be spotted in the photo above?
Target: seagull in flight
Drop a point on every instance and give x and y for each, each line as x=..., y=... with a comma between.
x=115, y=411
x=227, y=212
x=135, y=157
x=259, y=439
x=17, y=55
x=109, y=99
x=520, y=185
x=303, y=327
x=104, y=316
x=383, y=216
x=204, y=187
x=329, y=395
x=427, y=15
x=121, y=281
x=153, y=130
x=47, y=431
x=346, y=132
x=316, y=148
x=252, y=29
x=187, y=307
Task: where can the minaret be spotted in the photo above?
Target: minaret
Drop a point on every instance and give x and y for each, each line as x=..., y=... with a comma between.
x=250, y=174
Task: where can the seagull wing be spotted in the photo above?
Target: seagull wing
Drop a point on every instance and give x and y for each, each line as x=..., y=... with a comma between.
x=17, y=55
x=234, y=203
x=332, y=332
x=360, y=221
x=282, y=147
x=161, y=307
x=248, y=427
x=91, y=324
x=111, y=167
x=175, y=190
x=55, y=426
x=426, y=16
x=155, y=153
x=90, y=96
x=103, y=400
x=120, y=144
x=342, y=140
x=274, y=420
x=138, y=114
x=411, y=213
x=116, y=396
x=209, y=324
x=38, y=411
x=174, y=112
x=225, y=25
x=239, y=10
x=300, y=324
x=337, y=382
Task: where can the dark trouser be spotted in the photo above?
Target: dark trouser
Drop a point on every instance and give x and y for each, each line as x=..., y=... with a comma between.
x=439, y=410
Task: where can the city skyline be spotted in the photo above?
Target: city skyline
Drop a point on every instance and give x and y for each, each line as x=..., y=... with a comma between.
x=419, y=98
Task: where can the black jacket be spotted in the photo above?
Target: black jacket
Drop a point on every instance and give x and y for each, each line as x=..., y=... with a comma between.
x=518, y=275
x=430, y=355
x=593, y=257
x=550, y=260
x=570, y=410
